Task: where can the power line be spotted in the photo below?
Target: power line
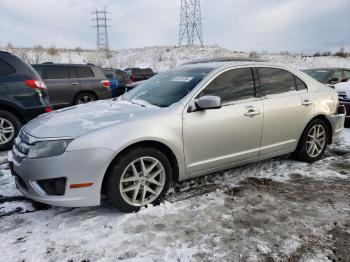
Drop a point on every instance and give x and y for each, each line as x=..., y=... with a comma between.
x=190, y=22
x=101, y=24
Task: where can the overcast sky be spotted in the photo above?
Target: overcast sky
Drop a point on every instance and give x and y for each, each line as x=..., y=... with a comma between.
x=243, y=25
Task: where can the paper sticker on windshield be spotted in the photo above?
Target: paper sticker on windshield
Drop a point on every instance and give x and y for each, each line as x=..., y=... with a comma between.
x=185, y=79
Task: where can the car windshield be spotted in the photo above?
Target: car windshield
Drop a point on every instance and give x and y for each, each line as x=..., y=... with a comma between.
x=168, y=87
x=320, y=75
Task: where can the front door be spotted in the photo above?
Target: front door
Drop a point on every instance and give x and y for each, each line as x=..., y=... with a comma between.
x=218, y=137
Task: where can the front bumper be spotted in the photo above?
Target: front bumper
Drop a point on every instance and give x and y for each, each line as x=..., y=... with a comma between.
x=337, y=121
x=78, y=167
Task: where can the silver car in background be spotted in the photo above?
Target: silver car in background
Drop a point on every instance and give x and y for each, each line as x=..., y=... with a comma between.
x=196, y=119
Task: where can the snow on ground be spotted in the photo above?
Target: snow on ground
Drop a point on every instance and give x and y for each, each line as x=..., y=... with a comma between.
x=160, y=58
x=275, y=210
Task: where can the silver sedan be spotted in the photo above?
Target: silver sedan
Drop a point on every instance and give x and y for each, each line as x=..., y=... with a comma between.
x=196, y=119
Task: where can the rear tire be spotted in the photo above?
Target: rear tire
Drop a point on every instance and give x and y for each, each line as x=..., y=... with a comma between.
x=9, y=129
x=313, y=141
x=140, y=177
x=83, y=98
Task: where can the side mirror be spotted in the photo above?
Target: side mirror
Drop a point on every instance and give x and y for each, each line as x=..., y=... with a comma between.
x=208, y=102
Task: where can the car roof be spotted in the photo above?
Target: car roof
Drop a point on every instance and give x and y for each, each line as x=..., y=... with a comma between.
x=326, y=68
x=223, y=65
x=61, y=64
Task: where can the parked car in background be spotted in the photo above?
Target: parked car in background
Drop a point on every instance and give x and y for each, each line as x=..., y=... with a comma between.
x=329, y=76
x=23, y=96
x=337, y=78
x=138, y=74
x=122, y=78
x=186, y=122
x=72, y=84
x=343, y=90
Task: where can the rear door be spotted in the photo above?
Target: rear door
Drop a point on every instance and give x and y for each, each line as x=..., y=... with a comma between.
x=87, y=78
x=59, y=84
x=232, y=133
x=286, y=109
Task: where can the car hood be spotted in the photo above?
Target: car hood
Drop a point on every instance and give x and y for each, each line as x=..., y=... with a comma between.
x=82, y=119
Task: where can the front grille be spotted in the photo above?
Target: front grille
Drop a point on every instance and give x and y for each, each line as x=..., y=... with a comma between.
x=21, y=147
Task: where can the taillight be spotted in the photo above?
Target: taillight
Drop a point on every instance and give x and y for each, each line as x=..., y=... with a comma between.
x=106, y=83
x=36, y=84
x=48, y=109
x=133, y=77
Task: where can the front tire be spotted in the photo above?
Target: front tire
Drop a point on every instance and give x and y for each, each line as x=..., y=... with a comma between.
x=9, y=128
x=138, y=178
x=313, y=141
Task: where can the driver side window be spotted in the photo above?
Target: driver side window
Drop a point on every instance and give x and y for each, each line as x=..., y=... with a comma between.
x=232, y=85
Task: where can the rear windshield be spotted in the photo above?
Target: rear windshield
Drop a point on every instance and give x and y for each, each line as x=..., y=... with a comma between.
x=167, y=88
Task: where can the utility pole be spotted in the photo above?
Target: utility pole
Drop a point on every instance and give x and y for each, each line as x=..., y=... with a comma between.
x=190, y=22
x=101, y=24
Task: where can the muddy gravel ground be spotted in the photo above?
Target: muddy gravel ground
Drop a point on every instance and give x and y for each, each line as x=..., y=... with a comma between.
x=275, y=210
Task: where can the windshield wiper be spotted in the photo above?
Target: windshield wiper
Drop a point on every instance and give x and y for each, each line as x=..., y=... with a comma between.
x=141, y=102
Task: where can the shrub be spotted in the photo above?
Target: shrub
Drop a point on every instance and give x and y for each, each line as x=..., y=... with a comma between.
x=52, y=51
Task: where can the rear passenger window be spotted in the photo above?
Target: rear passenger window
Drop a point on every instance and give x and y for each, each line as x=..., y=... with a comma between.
x=233, y=85
x=300, y=84
x=72, y=72
x=57, y=72
x=275, y=81
x=84, y=71
x=5, y=68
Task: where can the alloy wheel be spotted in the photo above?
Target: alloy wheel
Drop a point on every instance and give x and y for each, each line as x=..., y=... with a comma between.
x=142, y=181
x=7, y=131
x=316, y=140
x=85, y=99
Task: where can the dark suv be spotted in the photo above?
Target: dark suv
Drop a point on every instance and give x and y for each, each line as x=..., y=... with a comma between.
x=23, y=96
x=71, y=84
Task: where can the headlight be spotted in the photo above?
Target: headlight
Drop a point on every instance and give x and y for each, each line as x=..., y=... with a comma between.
x=48, y=148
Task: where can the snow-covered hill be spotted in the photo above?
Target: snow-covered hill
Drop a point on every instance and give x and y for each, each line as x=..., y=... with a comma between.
x=160, y=58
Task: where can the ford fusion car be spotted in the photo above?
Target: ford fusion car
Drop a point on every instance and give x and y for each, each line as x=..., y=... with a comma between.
x=190, y=121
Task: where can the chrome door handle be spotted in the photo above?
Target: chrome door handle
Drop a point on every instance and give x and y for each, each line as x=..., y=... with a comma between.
x=252, y=113
x=75, y=84
x=307, y=102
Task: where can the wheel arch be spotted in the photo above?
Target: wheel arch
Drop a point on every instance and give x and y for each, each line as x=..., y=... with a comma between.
x=329, y=125
x=147, y=143
x=13, y=110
